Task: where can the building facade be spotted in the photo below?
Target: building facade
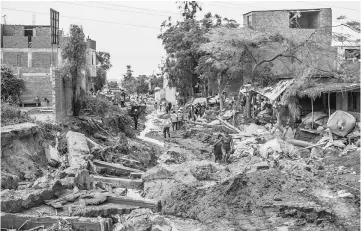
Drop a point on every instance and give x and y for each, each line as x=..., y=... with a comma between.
x=28, y=50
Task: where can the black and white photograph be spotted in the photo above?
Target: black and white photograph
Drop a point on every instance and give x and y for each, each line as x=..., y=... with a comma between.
x=180, y=115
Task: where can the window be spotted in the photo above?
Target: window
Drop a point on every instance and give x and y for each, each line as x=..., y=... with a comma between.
x=352, y=100
x=304, y=19
x=249, y=20
x=28, y=31
x=352, y=53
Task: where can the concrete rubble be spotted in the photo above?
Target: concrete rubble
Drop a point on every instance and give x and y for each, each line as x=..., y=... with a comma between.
x=106, y=182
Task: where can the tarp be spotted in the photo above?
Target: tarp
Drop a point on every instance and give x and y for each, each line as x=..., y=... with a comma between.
x=272, y=92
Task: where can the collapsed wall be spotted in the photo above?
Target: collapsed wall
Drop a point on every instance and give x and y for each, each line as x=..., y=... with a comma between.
x=22, y=153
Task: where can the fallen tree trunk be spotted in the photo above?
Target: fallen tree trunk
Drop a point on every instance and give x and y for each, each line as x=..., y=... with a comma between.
x=27, y=222
x=143, y=203
x=117, y=167
x=134, y=184
x=229, y=125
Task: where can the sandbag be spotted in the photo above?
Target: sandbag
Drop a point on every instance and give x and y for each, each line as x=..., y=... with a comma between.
x=341, y=123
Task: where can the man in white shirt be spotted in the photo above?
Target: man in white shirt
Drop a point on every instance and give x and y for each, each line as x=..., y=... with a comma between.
x=173, y=117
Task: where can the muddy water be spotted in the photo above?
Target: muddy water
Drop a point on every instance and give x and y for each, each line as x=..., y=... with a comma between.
x=149, y=127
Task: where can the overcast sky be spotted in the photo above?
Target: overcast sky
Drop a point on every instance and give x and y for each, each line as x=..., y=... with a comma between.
x=136, y=44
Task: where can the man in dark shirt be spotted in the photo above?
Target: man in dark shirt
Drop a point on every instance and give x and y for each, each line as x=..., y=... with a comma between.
x=135, y=118
x=218, y=149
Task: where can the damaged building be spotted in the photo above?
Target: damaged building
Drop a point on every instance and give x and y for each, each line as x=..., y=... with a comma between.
x=325, y=93
x=27, y=49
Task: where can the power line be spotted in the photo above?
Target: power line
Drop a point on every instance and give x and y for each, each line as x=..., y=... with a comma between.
x=118, y=5
x=112, y=9
x=87, y=19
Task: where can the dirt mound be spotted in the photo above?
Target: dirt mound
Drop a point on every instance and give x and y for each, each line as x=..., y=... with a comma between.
x=22, y=153
x=244, y=195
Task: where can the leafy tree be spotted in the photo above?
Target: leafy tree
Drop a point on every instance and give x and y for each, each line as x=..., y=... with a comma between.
x=128, y=81
x=103, y=60
x=142, y=85
x=100, y=80
x=113, y=84
x=74, y=53
x=103, y=65
x=11, y=86
x=181, y=41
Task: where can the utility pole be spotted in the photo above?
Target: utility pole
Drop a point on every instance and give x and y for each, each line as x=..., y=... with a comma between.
x=4, y=18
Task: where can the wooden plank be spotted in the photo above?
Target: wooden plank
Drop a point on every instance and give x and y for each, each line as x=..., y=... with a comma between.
x=11, y=221
x=129, y=183
x=143, y=203
x=114, y=166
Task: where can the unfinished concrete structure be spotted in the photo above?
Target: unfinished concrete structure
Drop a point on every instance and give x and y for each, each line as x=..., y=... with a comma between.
x=27, y=48
x=298, y=25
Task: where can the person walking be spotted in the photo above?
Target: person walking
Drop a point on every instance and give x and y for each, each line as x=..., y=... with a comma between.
x=228, y=148
x=167, y=110
x=156, y=106
x=166, y=126
x=174, y=120
x=169, y=106
x=218, y=149
x=179, y=118
x=135, y=118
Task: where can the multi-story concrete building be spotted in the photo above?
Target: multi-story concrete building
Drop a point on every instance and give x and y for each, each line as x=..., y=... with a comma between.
x=27, y=48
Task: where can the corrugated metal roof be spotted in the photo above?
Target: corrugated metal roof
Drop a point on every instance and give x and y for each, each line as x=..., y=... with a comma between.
x=272, y=92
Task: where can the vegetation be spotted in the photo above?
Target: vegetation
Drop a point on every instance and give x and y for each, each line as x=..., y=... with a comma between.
x=11, y=114
x=11, y=86
x=113, y=84
x=103, y=65
x=74, y=53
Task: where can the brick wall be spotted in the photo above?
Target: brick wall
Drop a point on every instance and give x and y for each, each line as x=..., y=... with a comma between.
x=13, y=30
x=42, y=59
x=11, y=58
x=41, y=42
x=42, y=31
x=37, y=85
x=15, y=42
x=278, y=21
x=62, y=96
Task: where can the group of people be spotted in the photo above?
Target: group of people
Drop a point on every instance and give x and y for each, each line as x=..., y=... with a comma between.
x=163, y=106
x=197, y=110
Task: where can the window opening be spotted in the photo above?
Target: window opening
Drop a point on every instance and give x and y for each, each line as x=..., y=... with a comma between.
x=304, y=20
x=352, y=53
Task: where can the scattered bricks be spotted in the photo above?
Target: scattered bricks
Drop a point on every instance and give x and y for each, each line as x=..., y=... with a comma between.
x=9, y=221
x=78, y=150
x=83, y=180
x=17, y=201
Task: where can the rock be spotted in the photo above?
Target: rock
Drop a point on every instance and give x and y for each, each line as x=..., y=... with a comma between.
x=302, y=190
x=83, y=180
x=96, y=200
x=339, y=143
x=344, y=194
x=68, y=182
x=9, y=181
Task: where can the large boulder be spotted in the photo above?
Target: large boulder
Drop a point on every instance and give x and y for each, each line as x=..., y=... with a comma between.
x=78, y=150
